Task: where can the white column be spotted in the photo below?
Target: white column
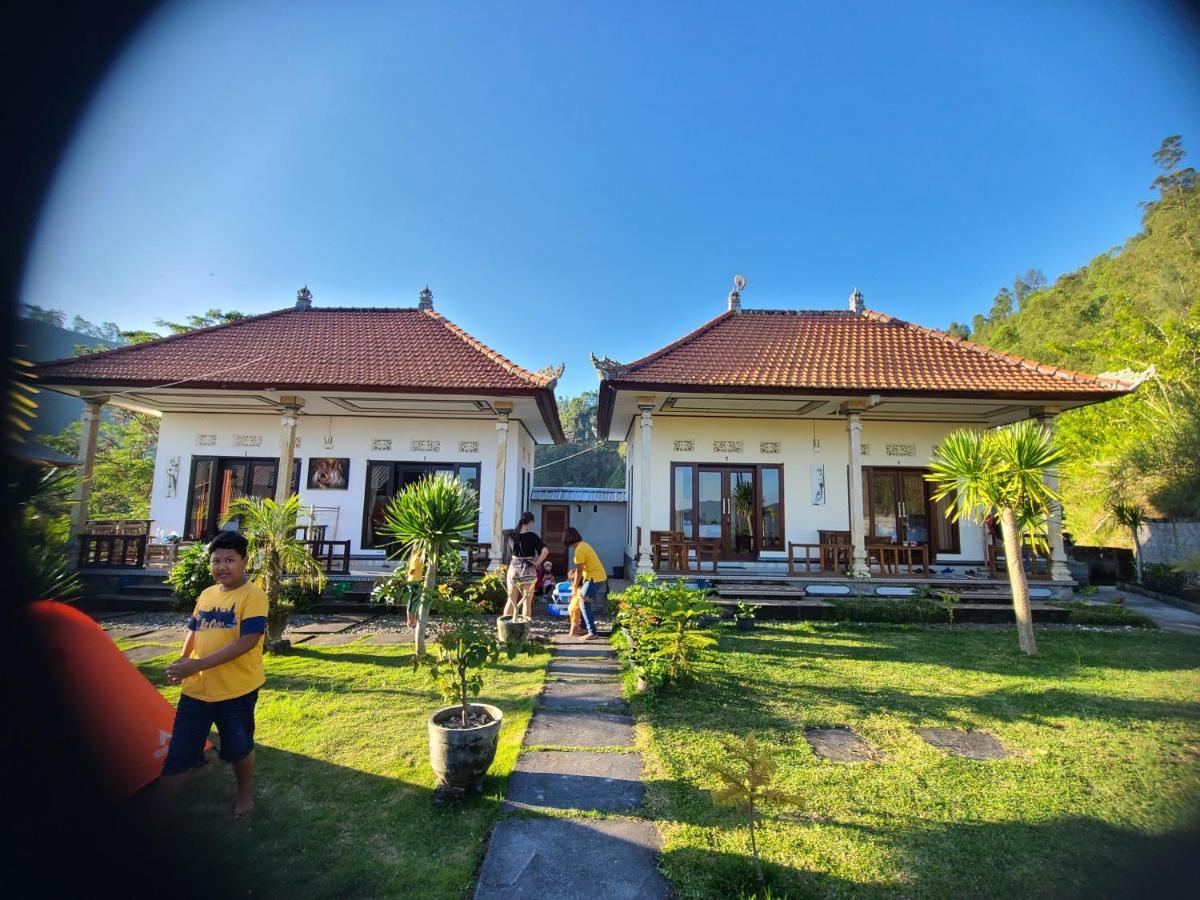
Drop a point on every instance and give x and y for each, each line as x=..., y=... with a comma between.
x=287, y=447
x=853, y=413
x=645, y=562
x=498, y=495
x=83, y=488
x=1054, y=527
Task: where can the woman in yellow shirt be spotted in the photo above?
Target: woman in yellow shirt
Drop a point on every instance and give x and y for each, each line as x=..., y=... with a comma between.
x=591, y=580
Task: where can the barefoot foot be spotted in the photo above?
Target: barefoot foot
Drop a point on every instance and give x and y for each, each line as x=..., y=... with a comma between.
x=243, y=806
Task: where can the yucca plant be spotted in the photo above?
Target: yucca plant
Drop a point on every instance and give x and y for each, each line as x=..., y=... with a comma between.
x=1125, y=514
x=275, y=552
x=1000, y=474
x=433, y=517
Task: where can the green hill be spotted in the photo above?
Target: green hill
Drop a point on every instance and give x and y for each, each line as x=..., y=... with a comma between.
x=1135, y=308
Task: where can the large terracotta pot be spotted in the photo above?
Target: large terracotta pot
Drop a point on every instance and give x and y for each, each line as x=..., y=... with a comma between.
x=461, y=756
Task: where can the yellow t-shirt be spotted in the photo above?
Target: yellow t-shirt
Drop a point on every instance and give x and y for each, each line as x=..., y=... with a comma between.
x=585, y=556
x=220, y=618
x=416, y=567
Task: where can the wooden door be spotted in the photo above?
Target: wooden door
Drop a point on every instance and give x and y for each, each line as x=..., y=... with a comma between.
x=555, y=521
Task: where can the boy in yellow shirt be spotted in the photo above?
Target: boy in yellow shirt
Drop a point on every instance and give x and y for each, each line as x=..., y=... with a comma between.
x=221, y=670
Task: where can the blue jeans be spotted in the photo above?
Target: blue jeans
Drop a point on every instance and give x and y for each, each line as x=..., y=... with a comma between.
x=592, y=590
x=234, y=719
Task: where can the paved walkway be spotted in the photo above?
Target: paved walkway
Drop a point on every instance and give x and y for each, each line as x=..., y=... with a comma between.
x=576, y=757
x=1165, y=616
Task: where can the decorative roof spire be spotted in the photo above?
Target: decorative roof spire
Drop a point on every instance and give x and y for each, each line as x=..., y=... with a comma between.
x=735, y=296
x=304, y=298
x=426, y=301
x=856, y=302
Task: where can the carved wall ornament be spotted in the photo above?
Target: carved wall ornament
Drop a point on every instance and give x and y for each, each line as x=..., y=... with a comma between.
x=685, y=446
x=425, y=446
x=172, y=476
x=381, y=443
x=864, y=449
x=327, y=441
x=206, y=440
x=769, y=446
x=901, y=449
x=247, y=440
x=728, y=446
x=468, y=446
x=297, y=443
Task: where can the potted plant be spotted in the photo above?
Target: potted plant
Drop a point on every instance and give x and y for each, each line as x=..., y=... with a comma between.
x=743, y=619
x=434, y=518
x=463, y=736
x=274, y=553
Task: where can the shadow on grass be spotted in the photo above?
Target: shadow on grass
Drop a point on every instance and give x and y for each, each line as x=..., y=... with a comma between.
x=1072, y=857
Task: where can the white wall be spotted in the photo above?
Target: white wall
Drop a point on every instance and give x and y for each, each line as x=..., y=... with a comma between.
x=796, y=453
x=352, y=437
x=601, y=524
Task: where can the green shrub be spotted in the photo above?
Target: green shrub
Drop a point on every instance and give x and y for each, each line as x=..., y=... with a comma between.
x=489, y=593
x=660, y=621
x=395, y=590
x=1106, y=614
x=190, y=576
x=299, y=596
x=867, y=609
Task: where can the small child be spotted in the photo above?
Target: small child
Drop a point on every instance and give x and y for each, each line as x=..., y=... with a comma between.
x=547, y=584
x=221, y=670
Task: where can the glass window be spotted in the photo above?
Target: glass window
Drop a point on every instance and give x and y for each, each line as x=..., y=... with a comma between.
x=202, y=472
x=947, y=531
x=772, y=509
x=682, y=517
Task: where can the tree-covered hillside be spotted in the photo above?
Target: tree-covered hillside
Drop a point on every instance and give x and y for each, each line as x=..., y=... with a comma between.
x=1133, y=309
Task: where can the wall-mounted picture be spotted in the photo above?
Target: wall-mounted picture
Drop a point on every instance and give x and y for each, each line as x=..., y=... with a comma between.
x=328, y=473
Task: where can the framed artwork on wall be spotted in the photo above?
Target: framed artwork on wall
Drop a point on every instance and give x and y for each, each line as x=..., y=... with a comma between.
x=328, y=473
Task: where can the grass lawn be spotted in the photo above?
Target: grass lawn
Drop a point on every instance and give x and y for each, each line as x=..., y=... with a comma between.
x=343, y=777
x=1104, y=728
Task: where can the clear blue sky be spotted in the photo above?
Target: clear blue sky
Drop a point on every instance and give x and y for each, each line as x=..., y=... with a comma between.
x=571, y=177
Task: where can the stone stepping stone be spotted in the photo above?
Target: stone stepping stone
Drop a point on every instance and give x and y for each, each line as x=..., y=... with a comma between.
x=583, y=668
x=583, y=651
x=971, y=744
x=577, y=779
x=165, y=636
x=572, y=859
x=151, y=651
x=392, y=637
x=334, y=640
x=582, y=695
x=555, y=728
x=330, y=625
x=839, y=743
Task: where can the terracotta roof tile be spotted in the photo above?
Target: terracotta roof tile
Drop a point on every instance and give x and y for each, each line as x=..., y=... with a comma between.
x=393, y=349
x=841, y=350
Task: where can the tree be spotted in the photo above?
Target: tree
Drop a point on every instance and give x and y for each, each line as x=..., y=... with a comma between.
x=1123, y=514
x=207, y=320
x=1000, y=474
x=1002, y=305
x=274, y=552
x=433, y=517
x=38, y=314
x=959, y=331
x=124, y=466
x=1030, y=283
x=585, y=460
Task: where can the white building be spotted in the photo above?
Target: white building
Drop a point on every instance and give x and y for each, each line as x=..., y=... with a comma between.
x=353, y=403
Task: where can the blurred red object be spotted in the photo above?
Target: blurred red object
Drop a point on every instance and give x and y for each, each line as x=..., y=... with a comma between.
x=124, y=720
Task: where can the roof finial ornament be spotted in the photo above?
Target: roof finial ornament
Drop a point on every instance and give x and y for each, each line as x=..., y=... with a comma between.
x=856, y=302
x=426, y=300
x=735, y=296
x=304, y=298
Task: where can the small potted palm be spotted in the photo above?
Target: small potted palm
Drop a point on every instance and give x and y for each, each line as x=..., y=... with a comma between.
x=275, y=553
x=434, y=518
x=464, y=735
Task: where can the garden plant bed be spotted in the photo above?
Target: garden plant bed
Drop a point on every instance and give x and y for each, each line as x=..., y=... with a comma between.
x=1103, y=728
x=344, y=784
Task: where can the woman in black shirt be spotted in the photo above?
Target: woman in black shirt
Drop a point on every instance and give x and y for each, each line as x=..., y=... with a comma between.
x=528, y=553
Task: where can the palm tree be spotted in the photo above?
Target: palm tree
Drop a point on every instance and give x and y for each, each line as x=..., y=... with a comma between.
x=275, y=551
x=1000, y=474
x=1129, y=515
x=432, y=517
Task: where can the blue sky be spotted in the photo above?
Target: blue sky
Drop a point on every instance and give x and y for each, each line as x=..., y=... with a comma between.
x=574, y=177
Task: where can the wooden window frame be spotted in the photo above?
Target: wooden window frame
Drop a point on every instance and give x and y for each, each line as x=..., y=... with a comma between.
x=368, y=535
x=758, y=469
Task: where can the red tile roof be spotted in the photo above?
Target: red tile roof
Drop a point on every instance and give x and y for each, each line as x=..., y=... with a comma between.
x=397, y=350
x=832, y=350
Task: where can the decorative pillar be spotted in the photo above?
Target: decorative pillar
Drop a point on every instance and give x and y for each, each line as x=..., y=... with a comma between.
x=287, y=447
x=853, y=413
x=497, y=554
x=1045, y=416
x=88, y=435
x=645, y=561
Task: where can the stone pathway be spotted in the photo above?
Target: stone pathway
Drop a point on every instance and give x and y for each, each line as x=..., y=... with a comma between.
x=577, y=757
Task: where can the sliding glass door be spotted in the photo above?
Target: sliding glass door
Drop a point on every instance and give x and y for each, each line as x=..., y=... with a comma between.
x=386, y=479
x=740, y=507
x=217, y=481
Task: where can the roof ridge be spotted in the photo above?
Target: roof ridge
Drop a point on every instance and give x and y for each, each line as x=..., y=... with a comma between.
x=982, y=349
x=628, y=368
x=494, y=355
x=166, y=338
x=838, y=313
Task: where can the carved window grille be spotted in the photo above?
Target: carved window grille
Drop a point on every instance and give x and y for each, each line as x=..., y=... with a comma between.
x=728, y=446
x=685, y=446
